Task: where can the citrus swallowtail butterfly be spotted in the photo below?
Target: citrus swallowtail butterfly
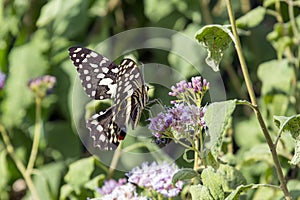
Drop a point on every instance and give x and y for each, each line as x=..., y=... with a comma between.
x=102, y=79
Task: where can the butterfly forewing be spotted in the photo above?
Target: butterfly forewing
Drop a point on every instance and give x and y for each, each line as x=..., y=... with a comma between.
x=102, y=79
x=97, y=73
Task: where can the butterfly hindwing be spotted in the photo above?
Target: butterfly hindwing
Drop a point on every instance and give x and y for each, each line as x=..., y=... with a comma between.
x=104, y=131
x=96, y=72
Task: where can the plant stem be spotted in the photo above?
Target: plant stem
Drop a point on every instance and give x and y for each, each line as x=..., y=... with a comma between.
x=19, y=164
x=36, y=137
x=254, y=104
x=196, y=154
x=114, y=161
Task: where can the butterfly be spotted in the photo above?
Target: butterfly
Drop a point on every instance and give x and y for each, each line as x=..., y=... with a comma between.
x=102, y=79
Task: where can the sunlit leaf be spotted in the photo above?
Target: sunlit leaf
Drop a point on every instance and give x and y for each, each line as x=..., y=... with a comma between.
x=291, y=125
x=216, y=39
x=252, y=18
x=213, y=182
x=280, y=81
x=80, y=171
x=216, y=118
x=200, y=192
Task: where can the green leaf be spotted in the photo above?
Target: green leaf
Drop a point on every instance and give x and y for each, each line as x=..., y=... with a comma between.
x=79, y=172
x=259, y=152
x=216, y=39
x=296, y=158
x=213, y=182
x=26, y=62
x=151, y=11
x=252, y=18
x=235, y=195
x=183, y=174
x=48, y=180
x=247, y=132
x=210, y=159
x=95, y=182
x=280, y=81
x=200, y=192
x=232, y=177
x=289, y=124
x=216, y=118
x=66, y=18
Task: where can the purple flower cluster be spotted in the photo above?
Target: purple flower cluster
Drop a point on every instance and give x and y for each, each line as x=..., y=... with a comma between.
x=157, y=177
x=179, y=120
x=110, y=185
x=2, y=80
x=197, y=85
x=119, y=190
x=42, y=86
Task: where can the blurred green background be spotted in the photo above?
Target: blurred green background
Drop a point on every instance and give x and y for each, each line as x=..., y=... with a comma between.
x=35, y=36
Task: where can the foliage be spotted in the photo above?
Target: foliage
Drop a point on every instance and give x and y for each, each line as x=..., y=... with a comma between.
x=227, y=150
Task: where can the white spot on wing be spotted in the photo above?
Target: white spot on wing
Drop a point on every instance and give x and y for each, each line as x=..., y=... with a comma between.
x=106, y=81
x=100, y=128
x=77, y=50
x=101, y=75
x=93, y=54
x=102, y=138
x=105, y=70
x=94, y=65
x=115, y=70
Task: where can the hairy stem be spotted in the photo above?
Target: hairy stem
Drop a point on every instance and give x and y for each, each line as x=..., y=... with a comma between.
x=36, y=137
x=254, y=103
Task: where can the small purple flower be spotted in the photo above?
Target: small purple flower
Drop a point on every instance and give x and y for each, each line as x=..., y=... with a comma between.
x=181, y=87
x=179, y=120
x=2, y=80
x=197, y=85
x=110, y=185
x=42, y=86
x=157, y=177
x=123, y=192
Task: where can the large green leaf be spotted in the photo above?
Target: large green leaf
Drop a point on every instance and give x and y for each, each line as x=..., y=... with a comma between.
x=280, y=81
x=231, y=177
x=48, y=180
x=216, y=118
x=252, y=18
x=80, y=172
x=213, y=182
x=200, y=192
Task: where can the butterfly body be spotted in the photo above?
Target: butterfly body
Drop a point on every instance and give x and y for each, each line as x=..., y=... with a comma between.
x=102, y=79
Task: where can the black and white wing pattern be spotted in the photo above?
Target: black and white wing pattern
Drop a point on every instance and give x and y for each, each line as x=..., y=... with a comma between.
x=103, y=79
x=96, y=72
